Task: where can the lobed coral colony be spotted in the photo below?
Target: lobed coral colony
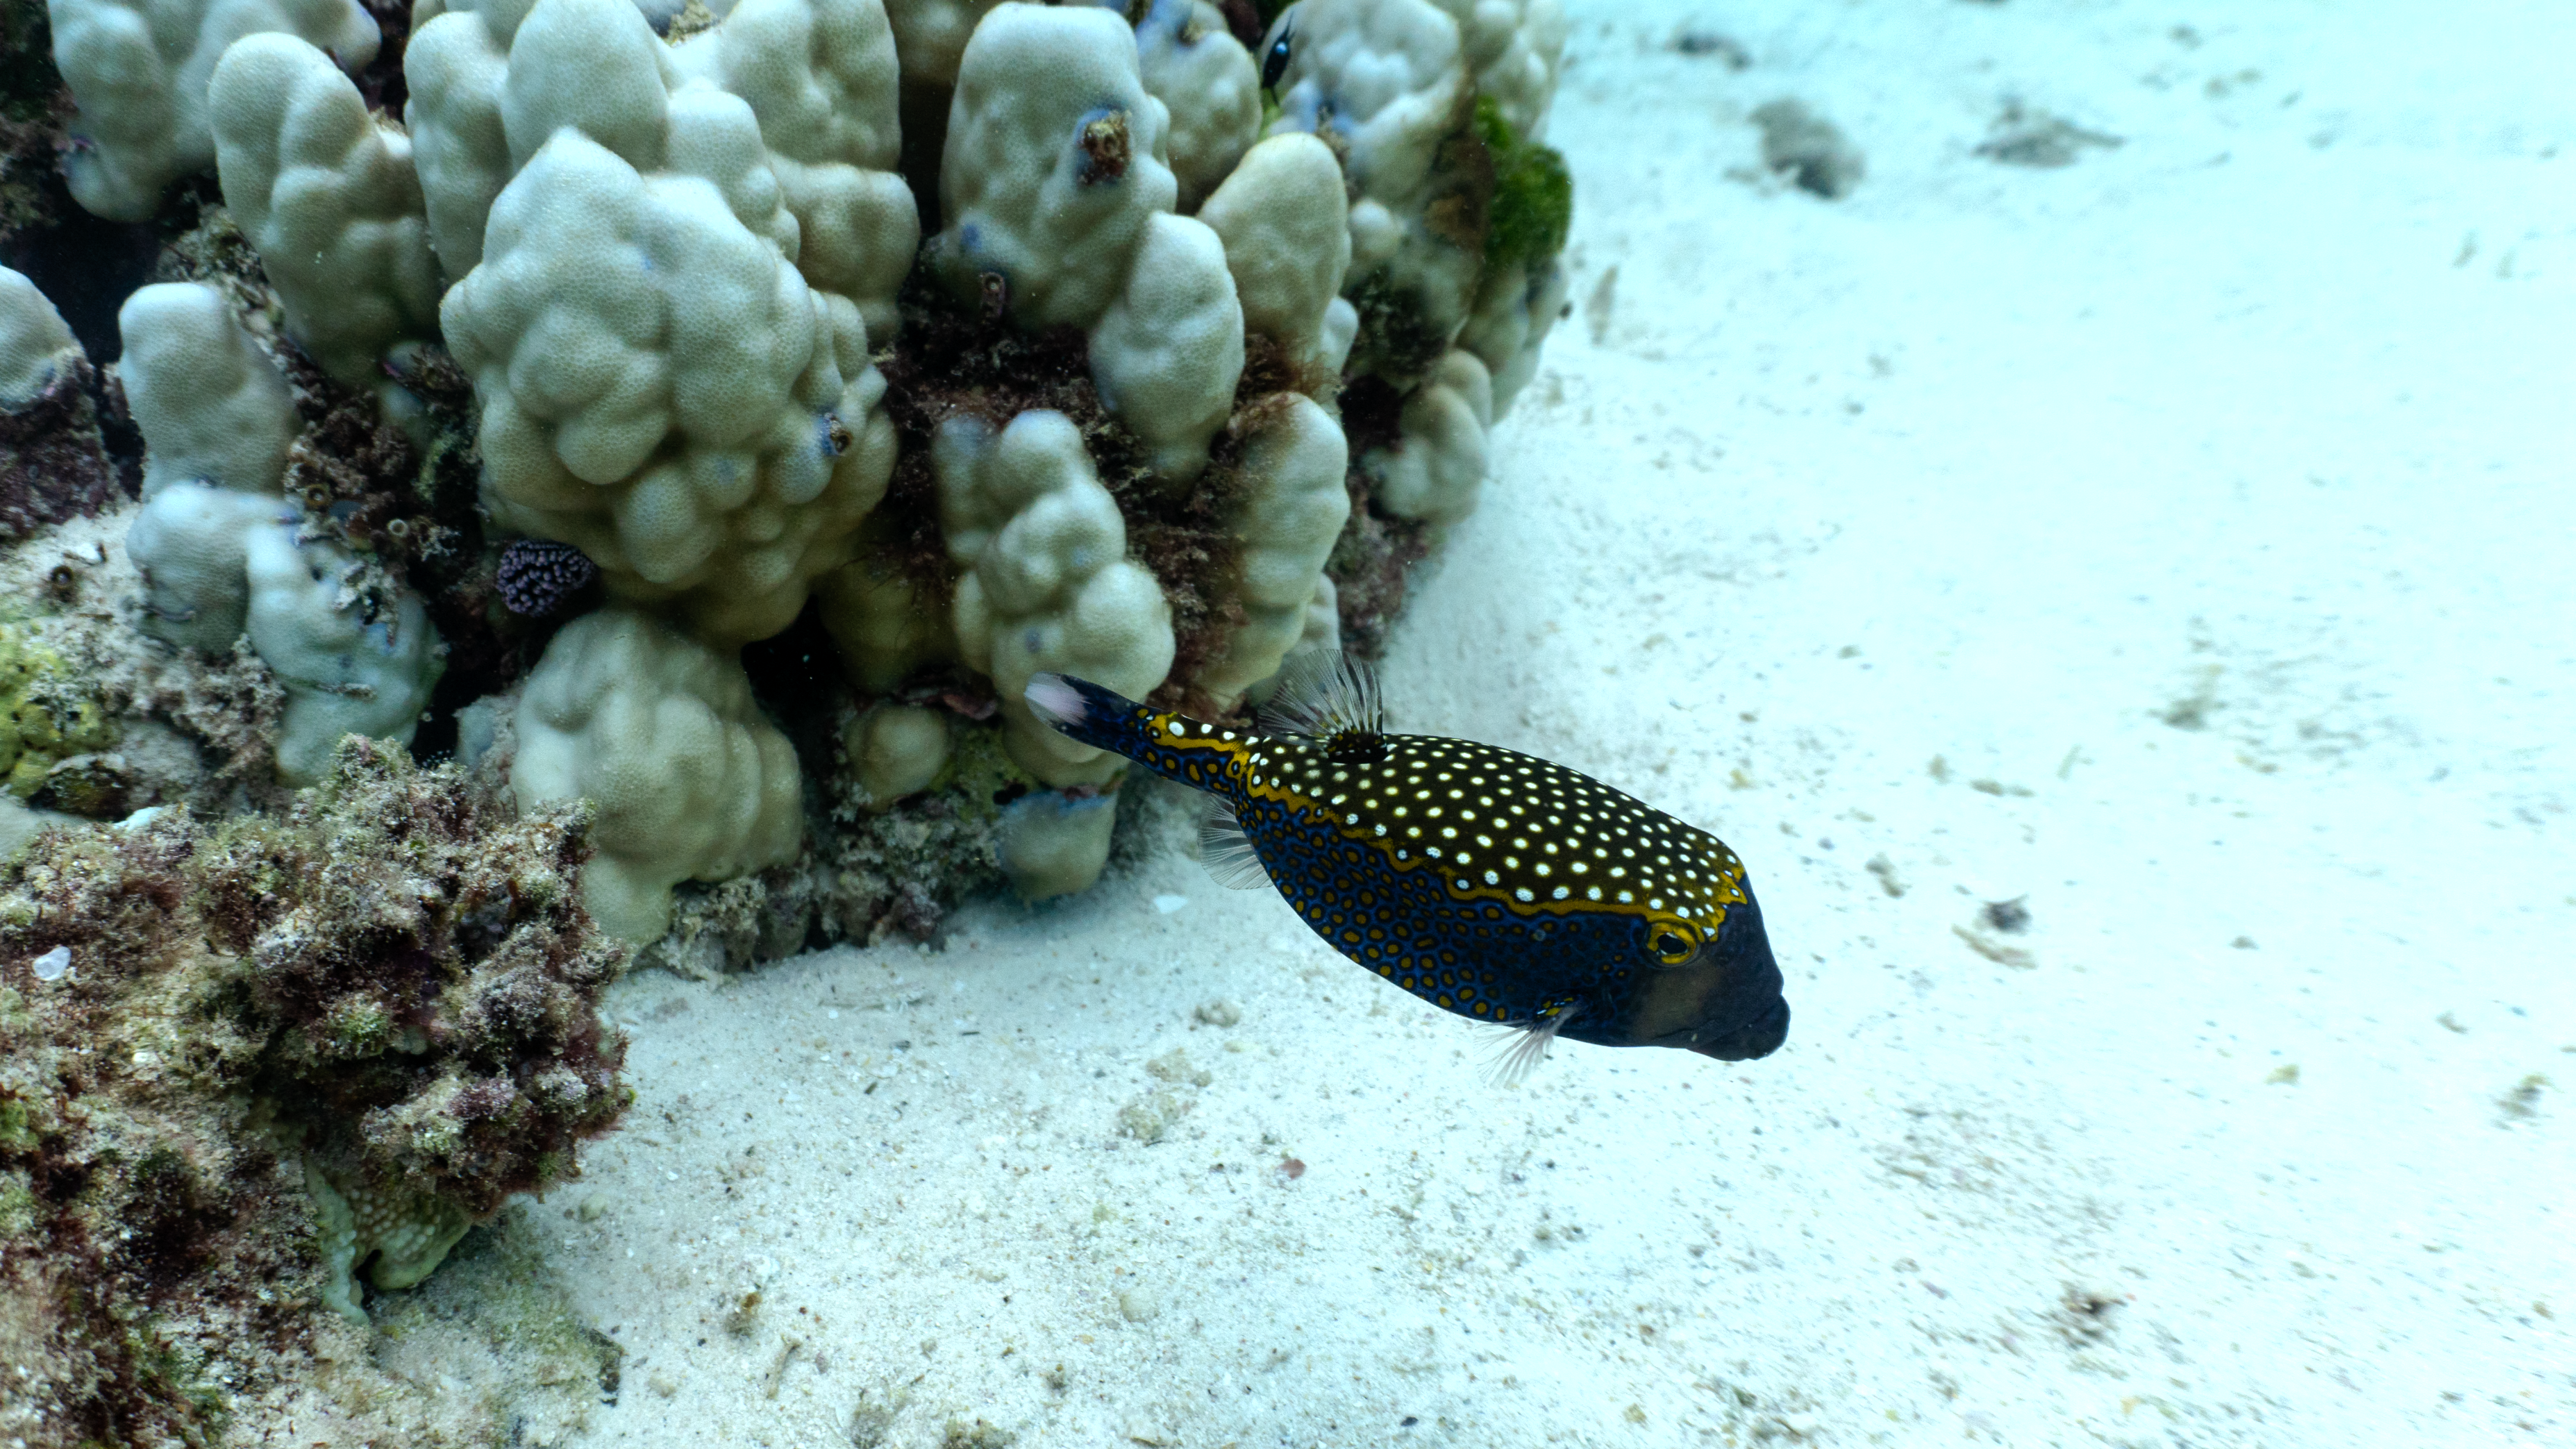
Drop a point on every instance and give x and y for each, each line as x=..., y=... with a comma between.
x=593, y=477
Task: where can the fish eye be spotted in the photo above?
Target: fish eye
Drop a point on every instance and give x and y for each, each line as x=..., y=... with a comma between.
x=1674, y=945
x=1274, y=61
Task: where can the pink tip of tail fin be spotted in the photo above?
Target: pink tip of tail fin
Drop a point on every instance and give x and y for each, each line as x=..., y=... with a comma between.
x=1052, y=698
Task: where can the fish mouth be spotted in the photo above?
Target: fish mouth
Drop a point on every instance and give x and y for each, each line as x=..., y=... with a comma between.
x=1752, y=1041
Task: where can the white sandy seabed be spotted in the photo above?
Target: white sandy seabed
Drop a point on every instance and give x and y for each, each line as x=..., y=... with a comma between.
x=2179, y=541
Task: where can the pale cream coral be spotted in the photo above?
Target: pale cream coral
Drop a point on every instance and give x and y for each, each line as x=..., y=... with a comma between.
x=1384, y=78
x=1516, y=49
x=399, y=1236
x=492, y=83
x=1053, y=842
x=1286, y=229
x=896, y=750
x=1168, y=352
x=328, y=199
x=820, y=75
x=1294, y=506
x=187, y=541
x=455, y=64
x=660, y=388
x=1515, y=308
x=210, y=404
x=670, y=263
x=1386, y=84
x=660, y=384
x=1059, y=201
x=350, y=663
x=1054, y=164
x=1047, y=583
x=1321, y=629
x=1437, y=467
x=216, y=420
x=36, y=346
x=139, y=69
x=660, y=733
x=220, y=552
x=1323, y=622
x=1203, y=75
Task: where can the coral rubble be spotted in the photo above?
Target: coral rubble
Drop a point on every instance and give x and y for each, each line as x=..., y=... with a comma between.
x=279, y=1053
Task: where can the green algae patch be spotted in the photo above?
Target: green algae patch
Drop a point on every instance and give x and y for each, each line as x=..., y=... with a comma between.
x=1533, y=201
x=45, y=717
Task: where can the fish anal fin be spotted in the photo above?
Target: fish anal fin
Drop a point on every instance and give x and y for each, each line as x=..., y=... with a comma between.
x=1226, y=851
x=1327, y=695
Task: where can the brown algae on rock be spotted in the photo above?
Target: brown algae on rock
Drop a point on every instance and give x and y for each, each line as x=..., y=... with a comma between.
x=285, y=1051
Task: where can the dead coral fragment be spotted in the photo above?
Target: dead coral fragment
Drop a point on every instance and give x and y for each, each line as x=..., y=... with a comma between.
x=2036, y=138
x=391, y=986
x=1106, y=149
x=1811, y=151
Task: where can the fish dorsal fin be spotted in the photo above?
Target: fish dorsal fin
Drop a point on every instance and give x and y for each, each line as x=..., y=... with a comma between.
x=1226, y=851
x=1329, y=697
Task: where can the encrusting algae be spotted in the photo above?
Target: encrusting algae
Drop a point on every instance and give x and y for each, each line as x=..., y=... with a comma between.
x=45, y=718
x=242, y=1066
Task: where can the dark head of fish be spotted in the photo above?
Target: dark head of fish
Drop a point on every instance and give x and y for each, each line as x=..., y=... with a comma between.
x=1726, y=1003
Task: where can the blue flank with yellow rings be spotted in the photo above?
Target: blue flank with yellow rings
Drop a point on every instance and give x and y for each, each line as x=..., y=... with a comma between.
x=1490, y=883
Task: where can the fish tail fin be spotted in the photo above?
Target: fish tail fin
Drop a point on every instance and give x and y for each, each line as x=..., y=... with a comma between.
x=1171, y=745
x=1076, y=706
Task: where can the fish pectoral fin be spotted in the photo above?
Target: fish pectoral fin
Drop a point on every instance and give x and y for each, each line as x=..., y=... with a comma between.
x=1324, y=694
x=1226, y=851
x=1527, y=1046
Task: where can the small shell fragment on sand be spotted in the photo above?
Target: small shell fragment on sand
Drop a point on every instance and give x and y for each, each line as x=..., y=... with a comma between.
x=1996, y=951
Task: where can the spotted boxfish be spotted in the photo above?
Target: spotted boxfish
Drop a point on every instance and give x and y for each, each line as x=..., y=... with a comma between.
x=1492, y=884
